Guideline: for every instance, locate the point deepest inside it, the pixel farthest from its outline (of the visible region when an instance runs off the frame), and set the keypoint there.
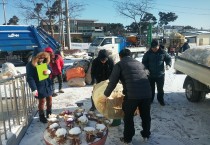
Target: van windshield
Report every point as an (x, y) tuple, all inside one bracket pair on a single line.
[(97, 42)]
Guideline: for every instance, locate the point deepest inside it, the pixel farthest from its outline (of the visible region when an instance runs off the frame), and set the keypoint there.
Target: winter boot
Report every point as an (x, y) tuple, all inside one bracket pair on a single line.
[(42, 117), (48, 113)]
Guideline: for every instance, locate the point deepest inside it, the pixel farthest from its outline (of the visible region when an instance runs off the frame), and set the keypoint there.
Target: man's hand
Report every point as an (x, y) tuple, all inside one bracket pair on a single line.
[(46, 72), (147, 72), (167, 67), (35, 93)]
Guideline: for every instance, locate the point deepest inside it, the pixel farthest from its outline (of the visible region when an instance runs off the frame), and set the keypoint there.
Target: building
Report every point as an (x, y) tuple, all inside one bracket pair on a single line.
[(198, 38)]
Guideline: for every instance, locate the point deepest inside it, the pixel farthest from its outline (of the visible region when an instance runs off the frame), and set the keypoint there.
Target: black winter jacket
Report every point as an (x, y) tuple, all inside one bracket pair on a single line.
[(100, 71), (154, 62), (133, 77)]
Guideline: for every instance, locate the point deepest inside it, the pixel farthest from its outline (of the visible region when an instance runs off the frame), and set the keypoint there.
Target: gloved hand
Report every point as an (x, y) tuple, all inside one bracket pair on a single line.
[(147, 72), (35, 93), (103, 99), (46, 72), (167, 67)]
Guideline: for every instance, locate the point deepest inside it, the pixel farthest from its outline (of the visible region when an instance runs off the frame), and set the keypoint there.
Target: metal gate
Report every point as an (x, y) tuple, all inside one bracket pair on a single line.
[(17, 108)]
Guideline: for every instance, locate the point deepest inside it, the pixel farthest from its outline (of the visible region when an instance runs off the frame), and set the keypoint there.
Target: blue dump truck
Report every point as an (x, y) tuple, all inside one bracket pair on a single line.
[(19, 41)]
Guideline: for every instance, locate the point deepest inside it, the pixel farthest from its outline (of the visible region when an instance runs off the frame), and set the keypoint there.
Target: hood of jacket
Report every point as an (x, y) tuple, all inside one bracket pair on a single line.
[(44, 55)]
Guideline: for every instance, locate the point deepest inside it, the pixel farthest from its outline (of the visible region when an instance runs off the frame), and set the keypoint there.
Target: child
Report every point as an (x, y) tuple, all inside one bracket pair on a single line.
[(56, 64), (42, 90)]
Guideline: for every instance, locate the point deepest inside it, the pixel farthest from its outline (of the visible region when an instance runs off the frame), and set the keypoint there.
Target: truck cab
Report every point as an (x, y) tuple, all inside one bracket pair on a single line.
[(112, 44)]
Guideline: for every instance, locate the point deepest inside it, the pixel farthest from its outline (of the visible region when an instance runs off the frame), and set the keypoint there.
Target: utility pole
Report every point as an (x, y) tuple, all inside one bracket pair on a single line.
[(68, 25), (3, 3)]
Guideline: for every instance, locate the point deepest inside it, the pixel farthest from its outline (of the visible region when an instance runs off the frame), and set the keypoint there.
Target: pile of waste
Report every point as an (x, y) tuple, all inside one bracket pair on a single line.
[(198, 55)]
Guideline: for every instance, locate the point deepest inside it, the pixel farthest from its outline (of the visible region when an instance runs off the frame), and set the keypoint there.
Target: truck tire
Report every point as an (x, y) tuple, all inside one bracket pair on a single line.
[(202, 96), (190, 92)]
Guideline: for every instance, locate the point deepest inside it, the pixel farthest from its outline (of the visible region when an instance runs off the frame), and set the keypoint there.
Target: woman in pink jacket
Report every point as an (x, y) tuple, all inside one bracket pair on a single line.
[(56, 64)]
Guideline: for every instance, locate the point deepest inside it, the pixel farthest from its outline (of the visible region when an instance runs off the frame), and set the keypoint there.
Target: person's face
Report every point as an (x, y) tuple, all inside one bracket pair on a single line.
[(52, 55), (155, 49), (104, 60), (41, 59)]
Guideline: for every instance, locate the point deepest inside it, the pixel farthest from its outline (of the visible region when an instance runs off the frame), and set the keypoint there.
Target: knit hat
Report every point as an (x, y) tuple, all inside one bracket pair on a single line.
[(48, 49), (154, 43), (102, 54)]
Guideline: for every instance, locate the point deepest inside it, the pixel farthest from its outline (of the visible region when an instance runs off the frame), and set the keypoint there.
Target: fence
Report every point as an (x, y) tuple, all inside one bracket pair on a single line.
[(17, 108)]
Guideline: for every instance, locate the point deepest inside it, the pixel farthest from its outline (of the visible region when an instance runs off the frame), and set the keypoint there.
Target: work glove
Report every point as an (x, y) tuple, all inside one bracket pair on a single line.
[(35, 93), (46, 72), (147, 72), (167, 67)]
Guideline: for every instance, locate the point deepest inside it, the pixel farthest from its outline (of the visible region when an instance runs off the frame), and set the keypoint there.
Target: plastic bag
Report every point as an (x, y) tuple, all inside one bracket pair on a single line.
[(77, 72), (88, 78), (8, 70), (76, 82)]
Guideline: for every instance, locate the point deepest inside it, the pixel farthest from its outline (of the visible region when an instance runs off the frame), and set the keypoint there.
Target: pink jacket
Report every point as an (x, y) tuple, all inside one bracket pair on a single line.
[(57, 65)]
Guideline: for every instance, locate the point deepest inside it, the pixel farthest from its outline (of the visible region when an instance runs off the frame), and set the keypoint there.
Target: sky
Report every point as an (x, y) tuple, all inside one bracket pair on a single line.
[(195, 13)]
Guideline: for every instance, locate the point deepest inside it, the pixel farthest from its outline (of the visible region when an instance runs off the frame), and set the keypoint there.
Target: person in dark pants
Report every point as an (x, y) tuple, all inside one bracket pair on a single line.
[(153, 61), (56, 64), (41, 89), (101, 69), (137, 91), (185, 46)]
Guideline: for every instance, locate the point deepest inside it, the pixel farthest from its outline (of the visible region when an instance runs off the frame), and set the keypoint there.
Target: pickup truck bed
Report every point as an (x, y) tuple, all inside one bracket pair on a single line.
[(197, 81), (197, 71)]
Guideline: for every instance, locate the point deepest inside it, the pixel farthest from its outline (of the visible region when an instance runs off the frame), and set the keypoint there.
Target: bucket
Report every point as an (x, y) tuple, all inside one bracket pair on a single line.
[(116, 122)]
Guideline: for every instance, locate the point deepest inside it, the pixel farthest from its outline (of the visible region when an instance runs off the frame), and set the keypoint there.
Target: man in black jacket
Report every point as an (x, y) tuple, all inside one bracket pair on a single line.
[(153, 61), (101, 69), (137, 91)]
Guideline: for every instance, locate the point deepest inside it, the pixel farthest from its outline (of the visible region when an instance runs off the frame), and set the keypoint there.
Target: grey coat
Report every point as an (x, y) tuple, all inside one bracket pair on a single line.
[(133, 77)]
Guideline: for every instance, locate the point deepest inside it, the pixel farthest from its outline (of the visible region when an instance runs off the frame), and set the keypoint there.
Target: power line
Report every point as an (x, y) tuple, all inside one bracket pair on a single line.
[(183, 12), (3, 3), (182, 7)]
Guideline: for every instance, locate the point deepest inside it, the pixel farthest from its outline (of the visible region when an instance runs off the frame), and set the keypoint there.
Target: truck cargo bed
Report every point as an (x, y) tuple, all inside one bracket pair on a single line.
[(194, 70)]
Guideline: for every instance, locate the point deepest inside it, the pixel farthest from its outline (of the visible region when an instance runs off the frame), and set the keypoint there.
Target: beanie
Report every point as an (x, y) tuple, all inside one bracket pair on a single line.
[(102, 55), (48, 49), (154, 43)]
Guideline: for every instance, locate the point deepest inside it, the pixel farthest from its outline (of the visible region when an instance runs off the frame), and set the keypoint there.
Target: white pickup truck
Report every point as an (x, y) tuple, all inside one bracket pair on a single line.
[(114, 45), (197, 81)]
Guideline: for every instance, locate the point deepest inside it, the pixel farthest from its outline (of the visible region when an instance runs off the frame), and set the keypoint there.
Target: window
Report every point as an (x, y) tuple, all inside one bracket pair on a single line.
[(107, 41)]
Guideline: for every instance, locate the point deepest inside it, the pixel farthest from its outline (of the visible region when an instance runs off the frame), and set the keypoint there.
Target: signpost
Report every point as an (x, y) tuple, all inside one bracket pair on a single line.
[(149, 34)]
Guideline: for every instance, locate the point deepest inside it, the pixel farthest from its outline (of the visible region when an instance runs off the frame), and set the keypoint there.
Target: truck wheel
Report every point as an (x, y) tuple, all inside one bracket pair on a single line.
[(190, 92), (202, 96)]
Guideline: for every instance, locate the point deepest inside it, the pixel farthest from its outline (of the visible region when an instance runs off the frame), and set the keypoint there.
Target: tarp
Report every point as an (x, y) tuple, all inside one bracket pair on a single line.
[(198, 55)]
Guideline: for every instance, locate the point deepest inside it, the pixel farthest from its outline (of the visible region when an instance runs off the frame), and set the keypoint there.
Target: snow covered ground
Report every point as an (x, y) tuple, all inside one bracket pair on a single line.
[(180, 122)]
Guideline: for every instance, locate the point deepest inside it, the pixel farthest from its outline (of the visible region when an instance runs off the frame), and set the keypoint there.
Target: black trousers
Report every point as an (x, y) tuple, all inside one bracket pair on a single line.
[(60, 81), (129, 107), (160, 83)]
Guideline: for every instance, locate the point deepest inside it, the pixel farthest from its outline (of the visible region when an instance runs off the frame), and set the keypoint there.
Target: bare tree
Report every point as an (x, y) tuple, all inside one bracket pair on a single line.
[(47, 11), (133, 9)]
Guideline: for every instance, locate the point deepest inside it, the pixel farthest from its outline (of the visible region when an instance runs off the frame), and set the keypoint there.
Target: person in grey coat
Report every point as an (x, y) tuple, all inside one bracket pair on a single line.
[(137, 91)]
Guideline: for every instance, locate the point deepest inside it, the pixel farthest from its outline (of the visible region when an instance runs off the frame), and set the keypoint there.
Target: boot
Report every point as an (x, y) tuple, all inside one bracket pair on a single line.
[(48, 113), (42, 117)]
